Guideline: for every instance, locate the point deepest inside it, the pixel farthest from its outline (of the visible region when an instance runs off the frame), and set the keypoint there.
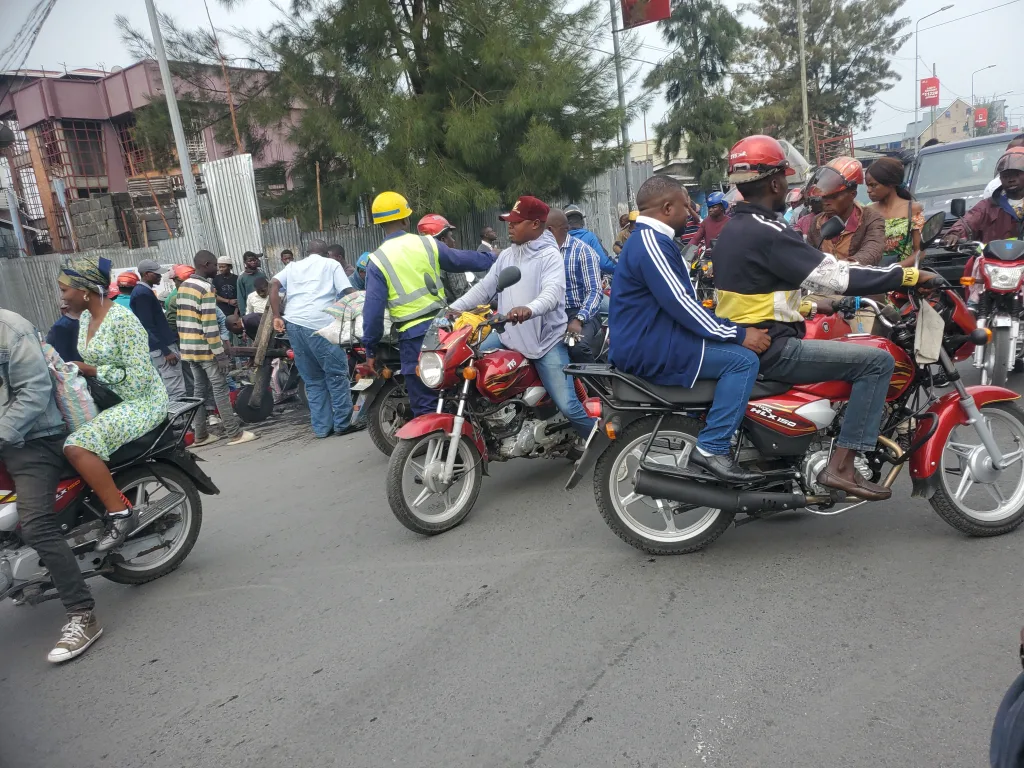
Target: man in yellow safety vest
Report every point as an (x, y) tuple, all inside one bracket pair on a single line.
[(394, 282)]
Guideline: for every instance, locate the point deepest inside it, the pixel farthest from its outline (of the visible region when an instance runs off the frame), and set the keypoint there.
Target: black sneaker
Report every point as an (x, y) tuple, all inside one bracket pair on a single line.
[(81, 631), (723, 467), (119, 525), (352, 428)]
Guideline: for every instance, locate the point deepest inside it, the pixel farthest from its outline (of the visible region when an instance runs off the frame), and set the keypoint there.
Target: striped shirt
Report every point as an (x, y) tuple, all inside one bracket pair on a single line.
[(692, 225), (582, 279), (198, 331)]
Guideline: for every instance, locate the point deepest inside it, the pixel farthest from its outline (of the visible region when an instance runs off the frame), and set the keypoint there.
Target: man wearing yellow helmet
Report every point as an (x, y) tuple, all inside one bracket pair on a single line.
[(395, 282)]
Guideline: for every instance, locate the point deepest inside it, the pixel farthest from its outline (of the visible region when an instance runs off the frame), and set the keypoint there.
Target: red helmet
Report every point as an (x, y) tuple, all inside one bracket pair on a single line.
[(127, 280), (434, 225), (1012, 160), (795, 196), (840, 174), (757, 157)]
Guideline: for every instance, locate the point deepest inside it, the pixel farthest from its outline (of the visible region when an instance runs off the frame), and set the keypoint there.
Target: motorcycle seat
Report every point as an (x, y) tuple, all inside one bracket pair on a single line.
[(140, 446), (633, 389)]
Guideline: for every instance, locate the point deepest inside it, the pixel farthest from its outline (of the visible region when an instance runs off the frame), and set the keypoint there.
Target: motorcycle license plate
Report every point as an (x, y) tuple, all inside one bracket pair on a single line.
[(362, 384)]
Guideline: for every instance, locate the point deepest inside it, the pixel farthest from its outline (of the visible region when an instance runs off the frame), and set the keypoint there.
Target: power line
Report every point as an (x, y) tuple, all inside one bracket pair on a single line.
[(969, 15), (25, 39)]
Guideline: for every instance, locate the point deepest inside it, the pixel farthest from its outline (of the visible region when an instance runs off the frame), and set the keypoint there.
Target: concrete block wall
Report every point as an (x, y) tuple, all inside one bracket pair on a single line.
[(95, 222)]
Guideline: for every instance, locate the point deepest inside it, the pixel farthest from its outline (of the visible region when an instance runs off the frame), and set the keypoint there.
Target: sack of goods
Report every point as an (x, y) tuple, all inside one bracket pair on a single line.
[(347, 328), (70, 389)]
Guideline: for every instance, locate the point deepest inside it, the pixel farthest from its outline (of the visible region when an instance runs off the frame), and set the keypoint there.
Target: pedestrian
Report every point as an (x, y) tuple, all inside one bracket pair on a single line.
[(126, 283), (63, 335), (578, 229), (32, 435), (312, 285), (488, 241), (692, 222), (626, 223), (337, 252), (225, 285), (256, 302), (247, 281), (179, 274), (204, 351), (287, 257), (358, 279), (163, 344)]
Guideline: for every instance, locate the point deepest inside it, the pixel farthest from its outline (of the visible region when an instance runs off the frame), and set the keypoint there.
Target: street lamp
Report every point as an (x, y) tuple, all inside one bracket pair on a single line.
[(974, 130), (917, 83)]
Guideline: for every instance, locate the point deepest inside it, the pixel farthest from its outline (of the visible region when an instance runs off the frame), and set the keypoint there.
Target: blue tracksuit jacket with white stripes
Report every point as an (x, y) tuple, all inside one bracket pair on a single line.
[(658, 329)]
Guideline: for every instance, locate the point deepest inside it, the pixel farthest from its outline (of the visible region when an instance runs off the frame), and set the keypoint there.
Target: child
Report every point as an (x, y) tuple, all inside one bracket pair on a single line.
[(256, 304)]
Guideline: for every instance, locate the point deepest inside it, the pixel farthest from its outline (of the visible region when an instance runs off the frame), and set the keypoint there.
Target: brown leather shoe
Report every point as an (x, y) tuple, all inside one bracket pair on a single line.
[(861, 488)]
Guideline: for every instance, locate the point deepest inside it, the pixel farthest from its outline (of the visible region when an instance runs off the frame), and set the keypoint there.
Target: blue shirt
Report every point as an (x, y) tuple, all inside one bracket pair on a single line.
[(150, 311), (588, 237), (376, 303), (63, 337), (312, 284), (582, 280), (656, 325)]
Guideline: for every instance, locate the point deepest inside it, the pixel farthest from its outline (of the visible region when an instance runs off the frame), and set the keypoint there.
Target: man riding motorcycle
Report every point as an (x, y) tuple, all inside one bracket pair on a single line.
[(716, 220), (863, 239), (761, 266), (1001, 216)]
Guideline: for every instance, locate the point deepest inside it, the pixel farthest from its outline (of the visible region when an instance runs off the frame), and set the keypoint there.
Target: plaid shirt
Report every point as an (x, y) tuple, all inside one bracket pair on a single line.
[(582, 279)]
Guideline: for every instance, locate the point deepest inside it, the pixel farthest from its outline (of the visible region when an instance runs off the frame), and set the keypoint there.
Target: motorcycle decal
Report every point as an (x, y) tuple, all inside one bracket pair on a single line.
[(825, 326), (902, 376), (780, 418)]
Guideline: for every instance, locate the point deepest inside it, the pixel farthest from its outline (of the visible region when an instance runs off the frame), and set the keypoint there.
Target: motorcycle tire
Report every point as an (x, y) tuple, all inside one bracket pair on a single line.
[(124, 573), (399, 468), (715, 523), (945, 503), (381, 429), (997, 352), (250, 414)]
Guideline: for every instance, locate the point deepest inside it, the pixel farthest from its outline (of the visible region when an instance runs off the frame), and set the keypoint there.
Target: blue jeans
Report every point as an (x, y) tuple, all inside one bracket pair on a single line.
[(807, 361), (324, 369), (558, 385), (422, 399), (735, 368)]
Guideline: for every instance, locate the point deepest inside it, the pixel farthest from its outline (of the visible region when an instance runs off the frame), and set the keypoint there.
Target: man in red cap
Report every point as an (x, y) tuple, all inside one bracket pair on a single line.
[(535, 306)]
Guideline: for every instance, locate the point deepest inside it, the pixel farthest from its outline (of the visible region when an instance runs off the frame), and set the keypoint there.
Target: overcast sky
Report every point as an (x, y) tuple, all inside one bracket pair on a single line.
[(81, 33)]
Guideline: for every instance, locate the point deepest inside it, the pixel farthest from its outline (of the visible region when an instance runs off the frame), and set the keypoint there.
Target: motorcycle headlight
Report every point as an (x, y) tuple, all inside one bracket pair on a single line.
[(432, 369), (1003, 277)]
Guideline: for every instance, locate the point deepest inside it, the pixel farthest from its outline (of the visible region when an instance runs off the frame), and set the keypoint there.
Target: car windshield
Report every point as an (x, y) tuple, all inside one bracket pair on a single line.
[(957, 170)]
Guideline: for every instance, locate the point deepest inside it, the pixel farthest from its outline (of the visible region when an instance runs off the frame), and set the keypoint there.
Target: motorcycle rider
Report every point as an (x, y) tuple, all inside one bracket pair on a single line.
[(762, 265), (394, 281), (437, 226), (711, 227), (583, 292), (578, 229), (660, 332), (32, 436), (535, 306), (863, 240), (1001, 216)]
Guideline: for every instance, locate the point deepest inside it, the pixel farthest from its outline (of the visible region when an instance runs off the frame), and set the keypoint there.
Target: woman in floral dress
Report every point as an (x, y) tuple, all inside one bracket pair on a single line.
[(115, 349), (904, 218)]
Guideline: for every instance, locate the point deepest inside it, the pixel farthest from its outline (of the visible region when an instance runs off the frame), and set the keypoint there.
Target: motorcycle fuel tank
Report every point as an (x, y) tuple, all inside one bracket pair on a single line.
[(503, 374), (902, 374)]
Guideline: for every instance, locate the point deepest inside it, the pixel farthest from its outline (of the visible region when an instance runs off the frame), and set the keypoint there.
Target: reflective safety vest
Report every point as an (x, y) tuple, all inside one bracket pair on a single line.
[(403, 261)]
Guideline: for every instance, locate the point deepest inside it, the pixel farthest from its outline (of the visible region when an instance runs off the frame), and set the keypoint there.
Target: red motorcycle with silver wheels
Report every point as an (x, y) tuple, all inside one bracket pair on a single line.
[(491, 406)]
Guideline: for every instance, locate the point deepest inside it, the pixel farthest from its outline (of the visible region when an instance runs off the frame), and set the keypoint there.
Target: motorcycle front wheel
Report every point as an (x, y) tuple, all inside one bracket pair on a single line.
[(416, 493), (388, 413), (997, 354), (972, 496)]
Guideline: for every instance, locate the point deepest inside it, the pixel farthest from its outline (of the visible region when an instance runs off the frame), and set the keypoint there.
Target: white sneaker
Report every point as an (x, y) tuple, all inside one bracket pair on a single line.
[(245, 437), (213, 420), (210, 438)]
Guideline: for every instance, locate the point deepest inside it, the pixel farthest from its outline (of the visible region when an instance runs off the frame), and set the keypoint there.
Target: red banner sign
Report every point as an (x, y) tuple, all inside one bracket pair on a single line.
[(1001, 126), (981, 117), (638, 12), (930, 92)]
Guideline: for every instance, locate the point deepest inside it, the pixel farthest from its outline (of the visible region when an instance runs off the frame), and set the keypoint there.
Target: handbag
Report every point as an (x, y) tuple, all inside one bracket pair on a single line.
[(103, 396), (71, 390)]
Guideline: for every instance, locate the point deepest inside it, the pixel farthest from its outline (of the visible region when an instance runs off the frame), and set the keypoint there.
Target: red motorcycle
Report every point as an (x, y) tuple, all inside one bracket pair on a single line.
[(491, 407), (998, 270), (964, 448)]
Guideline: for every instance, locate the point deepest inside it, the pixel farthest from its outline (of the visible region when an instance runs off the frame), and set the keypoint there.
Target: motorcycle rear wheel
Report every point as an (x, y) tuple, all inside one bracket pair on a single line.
[(997, 503), (410, 496), (384, 417), (645, 523)]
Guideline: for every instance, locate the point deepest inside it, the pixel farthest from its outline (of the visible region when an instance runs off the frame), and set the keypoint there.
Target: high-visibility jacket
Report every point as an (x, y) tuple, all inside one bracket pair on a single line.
[(403, 261)]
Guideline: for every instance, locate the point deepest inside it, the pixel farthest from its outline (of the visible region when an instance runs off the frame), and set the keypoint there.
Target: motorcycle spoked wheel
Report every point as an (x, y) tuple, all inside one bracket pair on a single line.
[(250, 414), (419, 506), (974, 498), (178, 536), (388, 413), (656, 526)]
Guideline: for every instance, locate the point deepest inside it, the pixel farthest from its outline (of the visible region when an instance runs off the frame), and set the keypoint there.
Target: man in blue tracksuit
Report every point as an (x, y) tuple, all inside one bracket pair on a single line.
[(661, 333)]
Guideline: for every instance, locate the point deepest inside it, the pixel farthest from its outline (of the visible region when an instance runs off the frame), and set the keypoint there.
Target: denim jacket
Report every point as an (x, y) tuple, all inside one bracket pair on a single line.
[(27, 406)]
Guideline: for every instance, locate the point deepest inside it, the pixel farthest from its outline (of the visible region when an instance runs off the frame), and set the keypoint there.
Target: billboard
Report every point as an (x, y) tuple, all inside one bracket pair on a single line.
[(930, 92), (981, 117), (638, 12)]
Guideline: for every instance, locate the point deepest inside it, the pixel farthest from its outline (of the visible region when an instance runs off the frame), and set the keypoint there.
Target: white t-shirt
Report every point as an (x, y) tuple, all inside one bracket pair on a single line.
[(312, 285)]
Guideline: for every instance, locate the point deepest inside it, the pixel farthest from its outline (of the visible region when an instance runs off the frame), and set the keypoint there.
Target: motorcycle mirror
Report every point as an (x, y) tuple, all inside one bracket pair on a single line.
[(958, 207), (932, 227), (832, 228), (508, 277), (431, 286)]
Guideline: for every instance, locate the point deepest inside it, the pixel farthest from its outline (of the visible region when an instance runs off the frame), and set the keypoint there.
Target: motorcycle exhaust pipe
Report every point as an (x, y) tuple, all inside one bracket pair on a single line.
[(660, 486)]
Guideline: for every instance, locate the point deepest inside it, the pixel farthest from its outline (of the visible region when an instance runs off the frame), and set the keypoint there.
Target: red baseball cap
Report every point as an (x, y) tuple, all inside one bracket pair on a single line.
[(526, 209)]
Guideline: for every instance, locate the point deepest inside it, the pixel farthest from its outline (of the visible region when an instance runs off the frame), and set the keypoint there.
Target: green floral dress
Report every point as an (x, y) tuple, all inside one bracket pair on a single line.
[(120, 352), (899, 238)]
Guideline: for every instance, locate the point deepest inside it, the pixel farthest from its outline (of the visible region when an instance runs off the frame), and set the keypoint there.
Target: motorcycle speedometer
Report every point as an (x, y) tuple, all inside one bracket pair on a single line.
[(431, 369)]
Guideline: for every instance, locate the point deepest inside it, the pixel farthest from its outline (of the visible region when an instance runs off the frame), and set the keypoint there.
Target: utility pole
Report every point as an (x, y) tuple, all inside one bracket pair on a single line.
[(624, 127), (803, 76), (933, 108), (191, 194)]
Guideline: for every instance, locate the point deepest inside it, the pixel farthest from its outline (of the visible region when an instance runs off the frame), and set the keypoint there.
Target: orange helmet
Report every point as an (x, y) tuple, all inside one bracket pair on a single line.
[(840, 174), (757, 157), (434, 225), (182, 271), (127, 280), (1012, 160)]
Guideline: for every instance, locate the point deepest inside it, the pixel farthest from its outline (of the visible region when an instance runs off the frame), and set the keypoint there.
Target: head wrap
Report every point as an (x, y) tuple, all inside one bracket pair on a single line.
[(87, 274)]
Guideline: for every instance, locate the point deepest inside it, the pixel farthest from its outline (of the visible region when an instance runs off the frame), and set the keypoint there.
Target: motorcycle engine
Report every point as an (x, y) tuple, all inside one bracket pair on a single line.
[(533, 439), (815, 462)]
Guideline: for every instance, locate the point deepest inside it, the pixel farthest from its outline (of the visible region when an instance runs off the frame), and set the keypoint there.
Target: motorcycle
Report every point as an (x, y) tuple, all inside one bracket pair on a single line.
[(998, 276), (491, 407), (161, 479), (702, 275), (382, 396), (964, 448)]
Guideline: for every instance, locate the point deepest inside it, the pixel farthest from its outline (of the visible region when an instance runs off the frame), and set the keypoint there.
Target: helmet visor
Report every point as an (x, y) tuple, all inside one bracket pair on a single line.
[(826, 182)]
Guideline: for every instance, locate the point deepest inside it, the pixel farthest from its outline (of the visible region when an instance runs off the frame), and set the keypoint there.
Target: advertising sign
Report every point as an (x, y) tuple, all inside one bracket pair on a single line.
[(930, 92), (638, 12), (981, 117)]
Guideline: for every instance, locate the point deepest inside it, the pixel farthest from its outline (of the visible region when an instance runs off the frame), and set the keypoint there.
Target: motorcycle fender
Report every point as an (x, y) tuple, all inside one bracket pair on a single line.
[(187, 463), (371, 391), (1002, 321), (597, 444), (442, 422), (924, 464)]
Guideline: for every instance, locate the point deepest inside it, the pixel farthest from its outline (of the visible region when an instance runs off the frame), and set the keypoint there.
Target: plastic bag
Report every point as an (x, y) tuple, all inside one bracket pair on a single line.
[(70, 390), (332, 332)]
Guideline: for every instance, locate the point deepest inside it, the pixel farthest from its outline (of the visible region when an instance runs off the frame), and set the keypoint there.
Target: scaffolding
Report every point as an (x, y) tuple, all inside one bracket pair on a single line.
[(830, 141)]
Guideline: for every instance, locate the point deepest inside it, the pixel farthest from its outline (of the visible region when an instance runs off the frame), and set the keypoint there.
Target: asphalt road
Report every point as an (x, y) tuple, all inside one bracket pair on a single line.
[(308, 628)]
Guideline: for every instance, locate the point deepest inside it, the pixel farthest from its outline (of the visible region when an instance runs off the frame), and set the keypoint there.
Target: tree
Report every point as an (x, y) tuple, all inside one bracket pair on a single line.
[(458, 104), (701, 117), (848, 47)]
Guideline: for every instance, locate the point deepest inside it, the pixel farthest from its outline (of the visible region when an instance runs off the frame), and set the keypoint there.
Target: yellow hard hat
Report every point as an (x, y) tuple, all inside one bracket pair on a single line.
[(390, 206), (633, 215)]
